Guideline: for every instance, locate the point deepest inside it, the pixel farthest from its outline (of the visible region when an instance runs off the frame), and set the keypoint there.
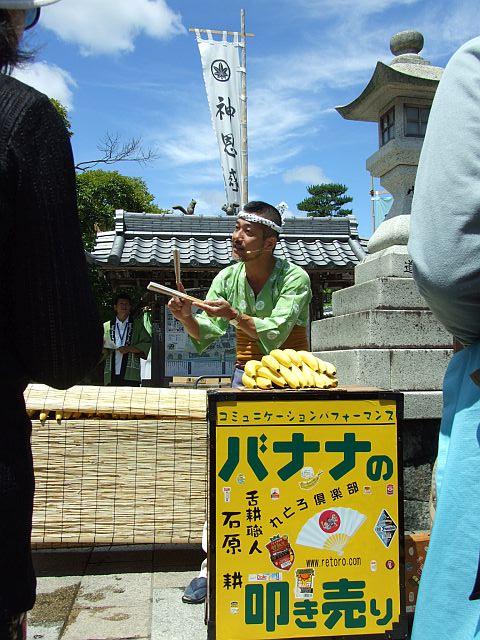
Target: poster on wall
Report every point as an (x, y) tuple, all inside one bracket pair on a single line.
[(306, 516), (181, 359)]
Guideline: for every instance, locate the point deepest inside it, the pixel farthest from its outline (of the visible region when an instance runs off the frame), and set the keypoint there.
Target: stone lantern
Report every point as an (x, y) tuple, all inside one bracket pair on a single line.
[(398, 98), (382, 333)]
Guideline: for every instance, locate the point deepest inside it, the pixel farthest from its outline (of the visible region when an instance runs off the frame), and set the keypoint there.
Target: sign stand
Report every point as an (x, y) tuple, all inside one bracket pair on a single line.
[(305, 515)]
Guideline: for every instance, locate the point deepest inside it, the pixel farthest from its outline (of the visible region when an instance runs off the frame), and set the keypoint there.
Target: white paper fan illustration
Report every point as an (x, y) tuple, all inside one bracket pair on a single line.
[(331, 529)]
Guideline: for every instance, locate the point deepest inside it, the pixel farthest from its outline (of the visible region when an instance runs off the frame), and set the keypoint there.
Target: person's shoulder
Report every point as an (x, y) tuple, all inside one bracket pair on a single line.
[(25, 107), (229, 271), (22, 94), (471, 46)]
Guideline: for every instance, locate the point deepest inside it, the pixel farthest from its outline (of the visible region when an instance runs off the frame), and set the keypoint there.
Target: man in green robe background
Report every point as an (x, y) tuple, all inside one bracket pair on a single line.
[(125, 341)]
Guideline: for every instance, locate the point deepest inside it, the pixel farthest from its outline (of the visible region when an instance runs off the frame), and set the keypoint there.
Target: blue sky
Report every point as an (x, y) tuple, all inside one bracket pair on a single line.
[(131, 67)]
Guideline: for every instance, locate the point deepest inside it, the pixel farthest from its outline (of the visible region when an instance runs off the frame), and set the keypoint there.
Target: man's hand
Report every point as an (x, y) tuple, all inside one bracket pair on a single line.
[(181, 309), (130, 349), (124, 350), (220, 309)]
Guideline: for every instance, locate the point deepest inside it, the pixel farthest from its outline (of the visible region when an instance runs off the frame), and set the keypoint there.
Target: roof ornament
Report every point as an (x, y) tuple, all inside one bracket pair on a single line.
[(189, 211), (231, 209), (406, 47)]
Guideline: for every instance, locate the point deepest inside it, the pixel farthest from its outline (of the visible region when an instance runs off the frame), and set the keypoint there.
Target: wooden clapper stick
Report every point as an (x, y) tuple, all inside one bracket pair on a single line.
[(172, 293)]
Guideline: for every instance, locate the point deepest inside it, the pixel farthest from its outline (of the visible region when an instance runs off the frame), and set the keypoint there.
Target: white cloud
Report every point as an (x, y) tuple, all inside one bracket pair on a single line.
[(275, 117), (276, 123), (210, 202), (111, 26), (447, 27), (50, 79), (307, 174), (188, 144)]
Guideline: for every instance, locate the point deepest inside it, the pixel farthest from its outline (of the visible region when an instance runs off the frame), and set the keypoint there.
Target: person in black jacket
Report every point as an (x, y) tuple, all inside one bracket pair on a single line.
[(49, 329)]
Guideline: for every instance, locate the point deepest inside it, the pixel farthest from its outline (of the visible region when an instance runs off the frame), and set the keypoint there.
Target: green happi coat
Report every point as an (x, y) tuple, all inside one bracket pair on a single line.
[(282, 303), (140, 338)]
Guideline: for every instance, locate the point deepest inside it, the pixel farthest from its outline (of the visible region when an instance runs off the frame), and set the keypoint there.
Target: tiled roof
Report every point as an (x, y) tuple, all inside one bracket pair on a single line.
[(146, 240)]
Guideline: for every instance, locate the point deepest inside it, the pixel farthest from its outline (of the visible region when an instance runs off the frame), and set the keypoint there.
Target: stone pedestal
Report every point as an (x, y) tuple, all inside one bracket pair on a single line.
[(382, 334)]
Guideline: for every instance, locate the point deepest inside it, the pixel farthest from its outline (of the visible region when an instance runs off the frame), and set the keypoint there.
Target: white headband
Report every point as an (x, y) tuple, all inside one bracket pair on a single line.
[(252, 217)]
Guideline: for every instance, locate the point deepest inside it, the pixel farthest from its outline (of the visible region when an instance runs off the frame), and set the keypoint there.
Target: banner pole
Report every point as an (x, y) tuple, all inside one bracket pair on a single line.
[(243, 102)]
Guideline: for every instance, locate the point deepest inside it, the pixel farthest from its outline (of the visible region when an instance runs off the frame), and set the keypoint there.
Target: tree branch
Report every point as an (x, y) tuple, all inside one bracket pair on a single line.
[(113, 150)]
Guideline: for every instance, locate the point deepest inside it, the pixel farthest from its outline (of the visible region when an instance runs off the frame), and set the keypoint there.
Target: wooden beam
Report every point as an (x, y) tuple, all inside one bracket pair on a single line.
[(218, 32)]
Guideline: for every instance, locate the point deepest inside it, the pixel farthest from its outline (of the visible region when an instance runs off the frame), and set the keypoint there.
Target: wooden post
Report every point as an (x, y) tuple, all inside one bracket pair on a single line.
[(243, 121)]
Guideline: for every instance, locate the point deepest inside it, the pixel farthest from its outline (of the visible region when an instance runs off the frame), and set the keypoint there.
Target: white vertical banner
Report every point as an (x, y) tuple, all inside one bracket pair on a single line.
[(221, 73)]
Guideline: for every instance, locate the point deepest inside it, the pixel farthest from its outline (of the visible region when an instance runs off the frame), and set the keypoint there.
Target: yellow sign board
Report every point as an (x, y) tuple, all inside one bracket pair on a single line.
[(305, 523)]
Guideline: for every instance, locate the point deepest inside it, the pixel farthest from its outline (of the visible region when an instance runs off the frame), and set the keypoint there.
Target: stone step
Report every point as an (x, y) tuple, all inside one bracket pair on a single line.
[(399, 369), (381, 293), (422, 405), (380, 329), (392, 262)]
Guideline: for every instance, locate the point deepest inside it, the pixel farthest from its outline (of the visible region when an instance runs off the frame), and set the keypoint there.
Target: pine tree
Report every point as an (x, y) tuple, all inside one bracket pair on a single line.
[(326, 200)]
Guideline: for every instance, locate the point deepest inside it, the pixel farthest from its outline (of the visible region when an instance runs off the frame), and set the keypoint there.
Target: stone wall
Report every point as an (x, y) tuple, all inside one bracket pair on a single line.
[(420, 439)]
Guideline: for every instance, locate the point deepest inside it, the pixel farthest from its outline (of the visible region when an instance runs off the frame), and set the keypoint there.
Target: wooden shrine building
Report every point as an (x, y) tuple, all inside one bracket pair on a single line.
[(139, 250)]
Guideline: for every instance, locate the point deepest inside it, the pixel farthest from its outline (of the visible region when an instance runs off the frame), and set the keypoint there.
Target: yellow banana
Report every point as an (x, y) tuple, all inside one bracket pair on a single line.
[(43, 416), (330, 369), (263, 383), (322, 381), (58, 416), (290, 377), (308, 373), (317, 380), (248, 382), (326, 367), (251, 367), (282, 357), (310, 482), (301, 377), (309, 359), (271, 363), (264, 372), (334, 382), (294, 357)]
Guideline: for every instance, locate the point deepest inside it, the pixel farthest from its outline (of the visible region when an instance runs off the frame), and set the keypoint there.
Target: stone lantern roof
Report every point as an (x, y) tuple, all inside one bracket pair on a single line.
[(407, 74)]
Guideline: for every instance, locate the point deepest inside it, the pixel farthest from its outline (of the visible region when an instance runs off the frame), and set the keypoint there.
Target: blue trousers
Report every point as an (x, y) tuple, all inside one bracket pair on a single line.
[(444, 611)]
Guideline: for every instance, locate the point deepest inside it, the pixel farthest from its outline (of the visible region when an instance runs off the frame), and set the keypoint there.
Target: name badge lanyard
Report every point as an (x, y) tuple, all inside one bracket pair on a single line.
[(121, 334)]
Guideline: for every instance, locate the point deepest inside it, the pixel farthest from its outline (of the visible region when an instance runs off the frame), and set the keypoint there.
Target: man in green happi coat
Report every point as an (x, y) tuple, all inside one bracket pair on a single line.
[(125, 341)]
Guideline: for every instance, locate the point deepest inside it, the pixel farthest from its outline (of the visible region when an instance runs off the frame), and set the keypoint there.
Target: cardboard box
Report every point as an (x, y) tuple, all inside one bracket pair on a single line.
[(416, 547)]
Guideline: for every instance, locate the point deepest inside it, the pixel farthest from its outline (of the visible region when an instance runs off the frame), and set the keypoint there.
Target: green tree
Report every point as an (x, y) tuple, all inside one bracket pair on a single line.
[(326, 199), (99, 193), (64, 114)]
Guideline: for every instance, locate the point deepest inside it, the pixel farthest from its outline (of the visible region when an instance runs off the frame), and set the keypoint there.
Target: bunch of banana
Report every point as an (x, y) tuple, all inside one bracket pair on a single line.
[(288, 368)]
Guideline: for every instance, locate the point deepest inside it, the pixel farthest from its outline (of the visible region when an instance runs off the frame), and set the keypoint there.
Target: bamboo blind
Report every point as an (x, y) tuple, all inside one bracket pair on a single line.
[(118, 480)]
